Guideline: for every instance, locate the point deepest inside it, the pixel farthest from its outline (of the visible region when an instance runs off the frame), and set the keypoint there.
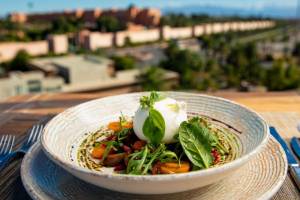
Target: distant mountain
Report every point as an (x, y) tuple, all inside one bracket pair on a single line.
[(268, 11)]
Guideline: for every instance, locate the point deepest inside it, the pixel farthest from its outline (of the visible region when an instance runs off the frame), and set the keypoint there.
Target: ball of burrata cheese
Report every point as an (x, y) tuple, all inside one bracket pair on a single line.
[(173, 112)]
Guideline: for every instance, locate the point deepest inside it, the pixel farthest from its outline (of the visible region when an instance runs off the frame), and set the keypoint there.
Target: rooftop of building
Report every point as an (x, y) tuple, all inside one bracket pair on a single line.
[(26, 75), (21, 77), (126, 77), (70, 61)]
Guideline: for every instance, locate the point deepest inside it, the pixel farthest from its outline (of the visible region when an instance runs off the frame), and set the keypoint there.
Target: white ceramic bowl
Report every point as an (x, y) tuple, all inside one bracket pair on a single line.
[(63, 134)]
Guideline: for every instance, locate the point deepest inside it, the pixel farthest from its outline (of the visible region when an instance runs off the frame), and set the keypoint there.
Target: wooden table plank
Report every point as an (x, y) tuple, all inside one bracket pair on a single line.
[(261, 102)]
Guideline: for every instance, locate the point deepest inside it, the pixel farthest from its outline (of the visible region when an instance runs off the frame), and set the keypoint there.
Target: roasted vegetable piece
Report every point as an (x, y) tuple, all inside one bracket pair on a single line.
[(119, 167), (98, 152), (114, 126), (127, 149), (170, 167), (138, 145), (114, 159)]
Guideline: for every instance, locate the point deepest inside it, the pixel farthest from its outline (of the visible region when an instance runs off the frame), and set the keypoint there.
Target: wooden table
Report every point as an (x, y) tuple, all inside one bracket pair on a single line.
[(19, 113)]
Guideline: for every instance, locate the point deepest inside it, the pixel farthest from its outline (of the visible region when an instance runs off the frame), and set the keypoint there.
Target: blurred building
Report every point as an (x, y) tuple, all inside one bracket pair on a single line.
[(125, 81), (92, 73), (190, 44), (8, 50), (76, 69), (134, 27), (74, 73), (168, 32), (18, 17), (18, 83), (139, 36), (95, 40), (58, 44), (275, 49), (146, 16)]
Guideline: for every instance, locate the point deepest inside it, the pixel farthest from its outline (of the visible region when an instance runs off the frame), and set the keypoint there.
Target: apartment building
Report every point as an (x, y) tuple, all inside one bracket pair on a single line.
[(144, 16), (57, 44)]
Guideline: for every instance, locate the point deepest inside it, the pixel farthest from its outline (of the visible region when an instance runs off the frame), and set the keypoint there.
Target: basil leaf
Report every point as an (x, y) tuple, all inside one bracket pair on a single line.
[(154, 127), (195, 141), (213, 139), (205, 131)]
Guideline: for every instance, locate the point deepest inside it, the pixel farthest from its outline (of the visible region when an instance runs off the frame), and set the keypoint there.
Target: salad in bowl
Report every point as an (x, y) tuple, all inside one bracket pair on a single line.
[(159, 139), (154, 143)]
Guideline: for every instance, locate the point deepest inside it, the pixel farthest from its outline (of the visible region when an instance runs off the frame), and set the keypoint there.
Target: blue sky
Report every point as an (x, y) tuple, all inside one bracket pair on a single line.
[(7, 6)]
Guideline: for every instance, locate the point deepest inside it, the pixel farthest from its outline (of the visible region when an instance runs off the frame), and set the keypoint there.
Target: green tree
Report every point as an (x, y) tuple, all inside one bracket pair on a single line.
[(232, 79), (20, 61), (36, 34), (292, 77), (185, 62), (276, 77), (65, 25), (244, 58), (109, 24), (124, 62), (127, 42), (181, 60), (283, 77), (175, 20), (152, 78), (207, 41), (6, 24), (238, 62)]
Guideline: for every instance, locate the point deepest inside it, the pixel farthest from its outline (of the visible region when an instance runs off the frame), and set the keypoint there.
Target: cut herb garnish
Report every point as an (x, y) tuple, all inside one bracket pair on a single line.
[(141, 162), (123, 134), (148, 101), (109, 146)]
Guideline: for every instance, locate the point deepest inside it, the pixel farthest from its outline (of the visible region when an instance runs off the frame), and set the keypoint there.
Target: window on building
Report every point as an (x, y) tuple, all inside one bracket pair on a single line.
[(34, 86), (53, 89), (18, 89)]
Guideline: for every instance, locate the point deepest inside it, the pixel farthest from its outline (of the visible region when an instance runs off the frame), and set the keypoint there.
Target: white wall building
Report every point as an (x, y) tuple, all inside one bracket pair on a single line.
[(140, 36), (199, 30), (58, 44), (178, 32), (95, 40), (19, 83)]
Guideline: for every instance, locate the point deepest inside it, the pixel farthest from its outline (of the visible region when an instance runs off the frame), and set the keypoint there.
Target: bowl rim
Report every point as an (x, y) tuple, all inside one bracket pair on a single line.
[(199, 173)]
